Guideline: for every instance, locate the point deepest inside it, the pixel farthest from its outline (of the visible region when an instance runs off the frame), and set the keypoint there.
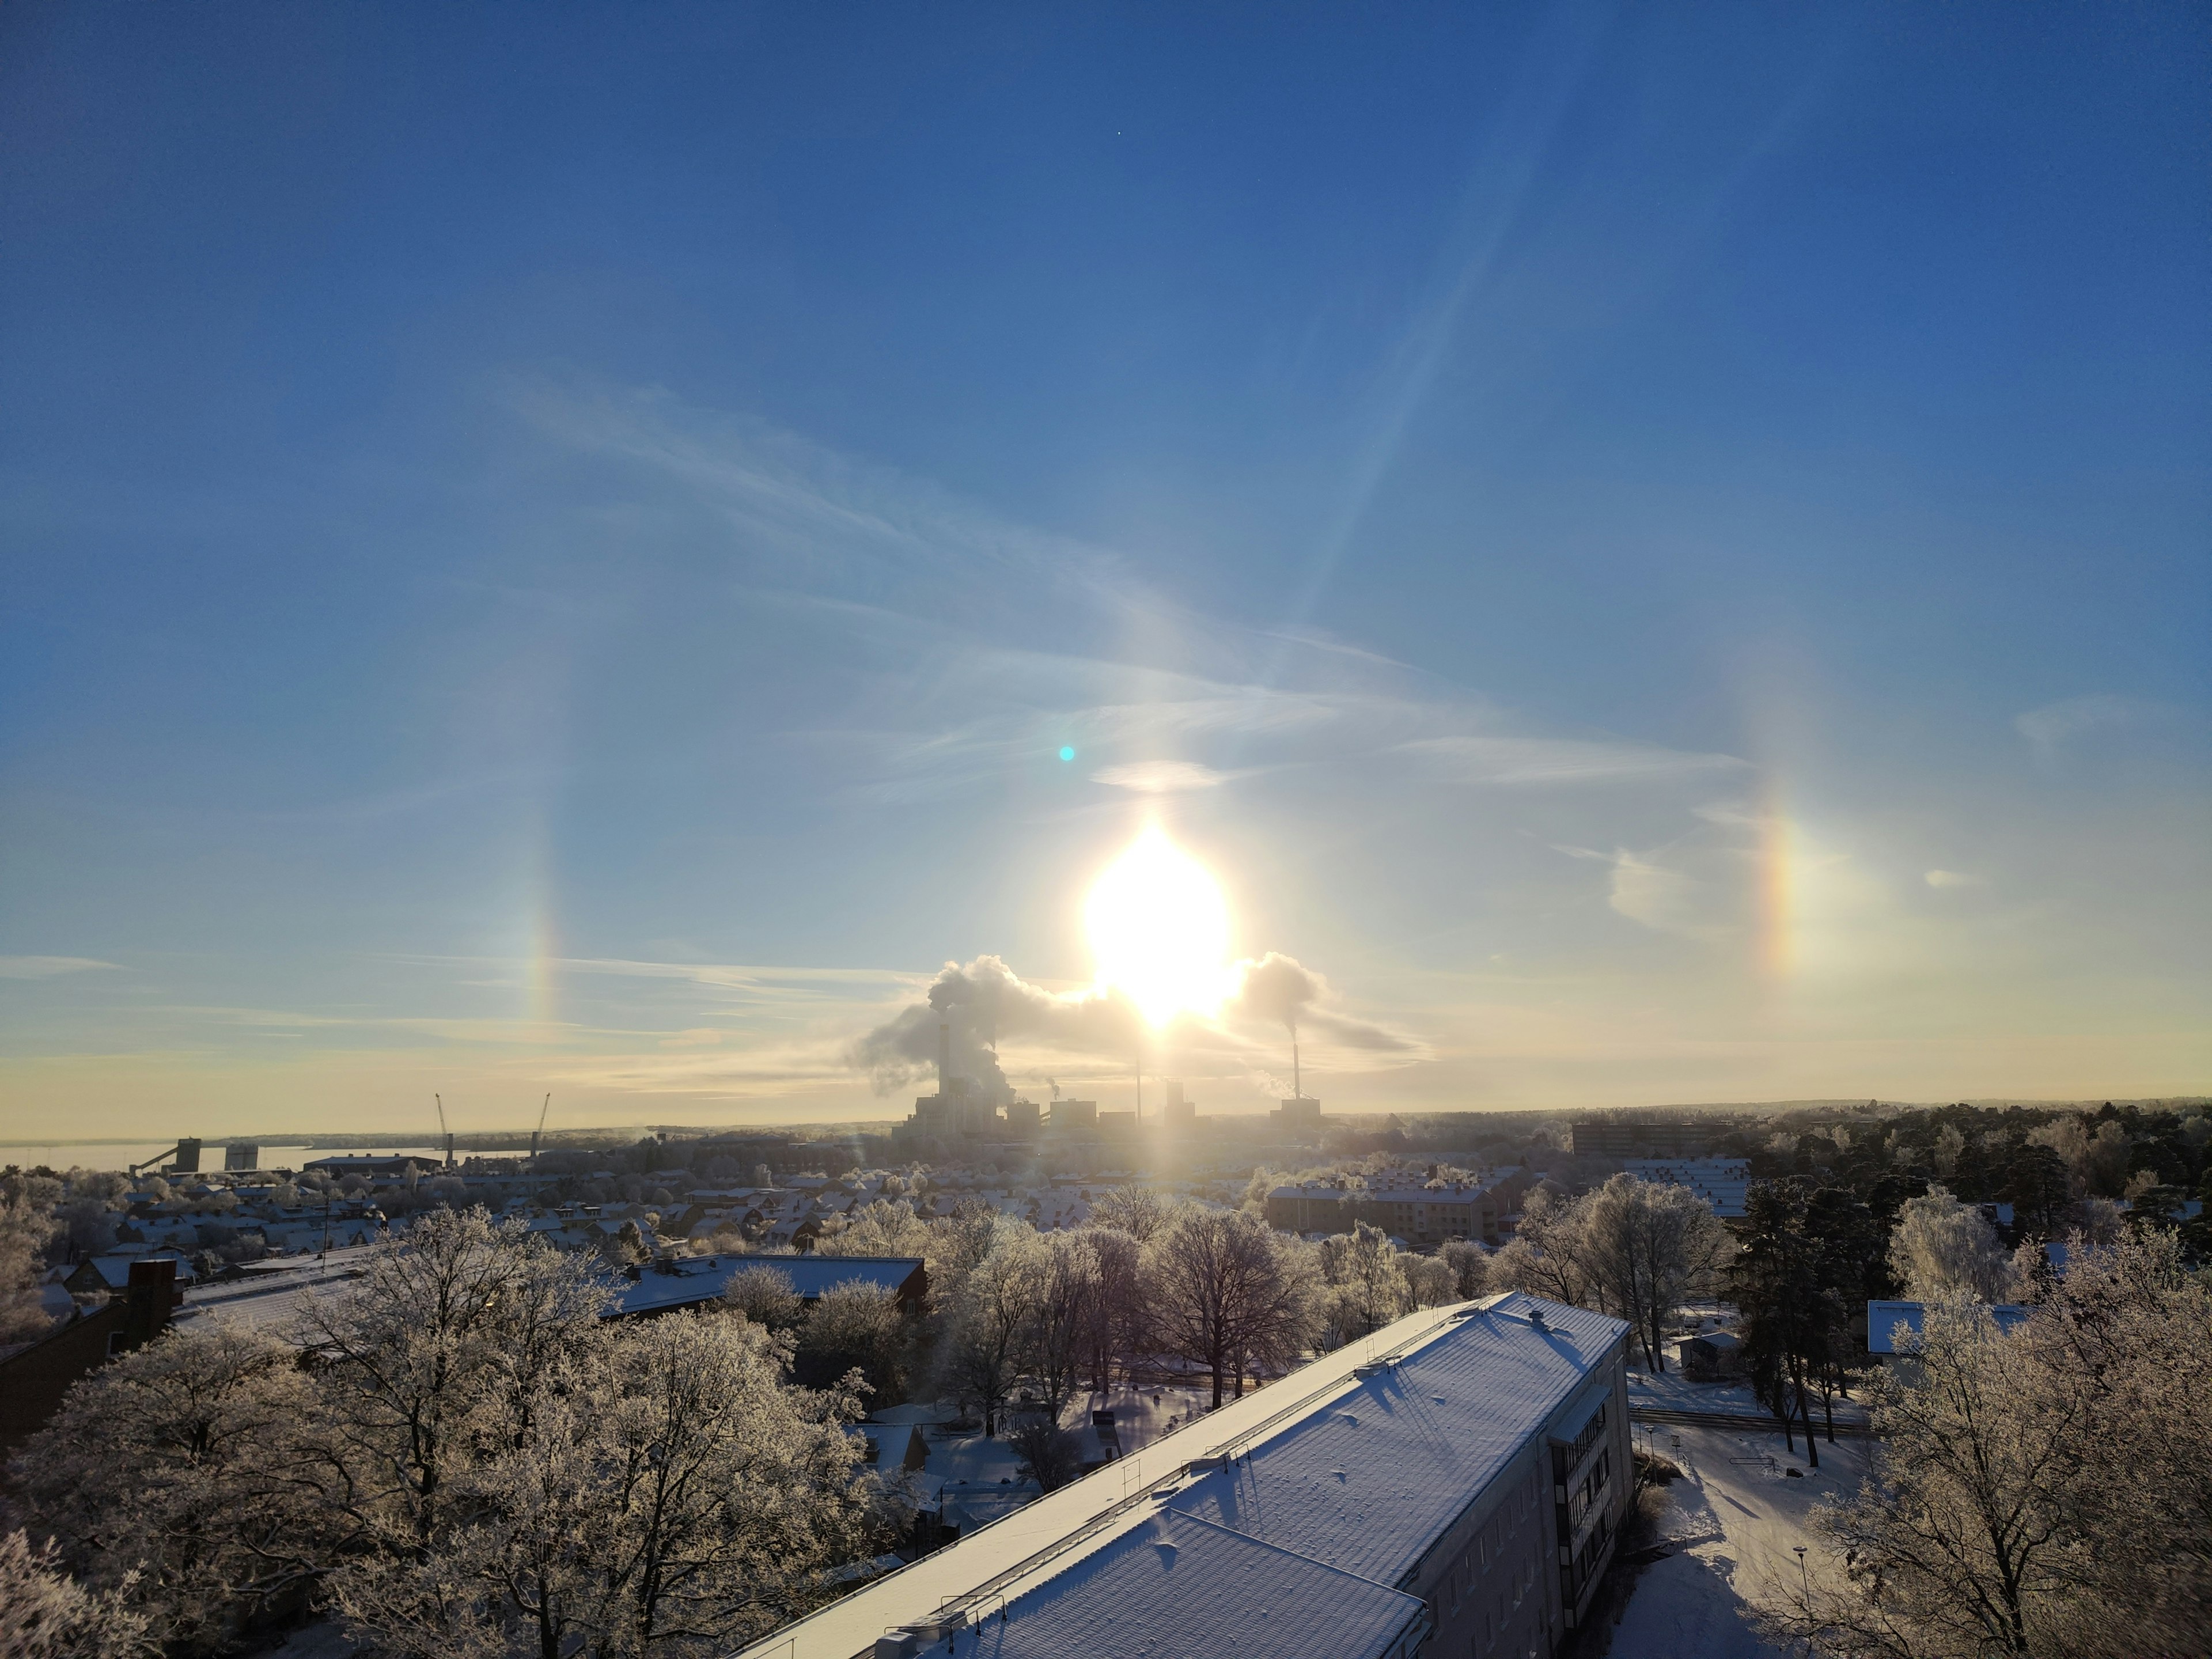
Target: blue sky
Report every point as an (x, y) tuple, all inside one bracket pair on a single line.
[(1664, 552)]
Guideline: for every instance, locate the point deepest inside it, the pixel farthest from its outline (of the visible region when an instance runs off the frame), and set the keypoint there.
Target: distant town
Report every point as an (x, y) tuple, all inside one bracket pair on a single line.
[(1606, 1317)]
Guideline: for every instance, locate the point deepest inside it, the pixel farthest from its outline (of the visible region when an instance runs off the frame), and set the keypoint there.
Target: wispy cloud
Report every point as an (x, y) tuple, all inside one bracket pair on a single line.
[(1161, 777), (1503, 760), (48, 966), (2056, 725)]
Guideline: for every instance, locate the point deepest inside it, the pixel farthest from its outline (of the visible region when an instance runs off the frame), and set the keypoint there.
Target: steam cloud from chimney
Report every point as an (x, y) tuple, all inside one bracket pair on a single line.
[(970, 1009)]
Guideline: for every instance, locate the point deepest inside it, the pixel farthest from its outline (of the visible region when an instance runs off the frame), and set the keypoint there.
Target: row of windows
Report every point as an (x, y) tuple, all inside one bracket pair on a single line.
[(1497, 1617), (1520, 1503)]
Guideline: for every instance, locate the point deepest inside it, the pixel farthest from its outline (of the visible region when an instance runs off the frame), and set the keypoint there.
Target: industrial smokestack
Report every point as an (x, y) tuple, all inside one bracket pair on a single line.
[(943, 1057)]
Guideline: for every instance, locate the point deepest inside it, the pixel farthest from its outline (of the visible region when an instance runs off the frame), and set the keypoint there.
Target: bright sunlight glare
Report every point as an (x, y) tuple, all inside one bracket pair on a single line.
[(1159, 930)]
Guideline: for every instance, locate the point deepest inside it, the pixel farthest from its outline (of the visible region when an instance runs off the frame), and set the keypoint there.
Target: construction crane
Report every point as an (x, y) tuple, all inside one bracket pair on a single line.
[(443, 1130), (540, 1130)]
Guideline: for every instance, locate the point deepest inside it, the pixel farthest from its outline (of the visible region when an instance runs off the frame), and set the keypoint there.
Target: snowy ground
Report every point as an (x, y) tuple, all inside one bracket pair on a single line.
[(1672, 1391), (1733, 1518), (1140, 1416)]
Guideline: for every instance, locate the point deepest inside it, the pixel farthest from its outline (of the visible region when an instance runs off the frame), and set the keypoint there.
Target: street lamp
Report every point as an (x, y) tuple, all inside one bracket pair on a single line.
[(1802, 1576)]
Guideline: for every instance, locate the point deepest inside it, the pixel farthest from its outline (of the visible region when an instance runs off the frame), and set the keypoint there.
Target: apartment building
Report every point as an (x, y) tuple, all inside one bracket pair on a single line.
[(1424, 1215), (1451, 1485)]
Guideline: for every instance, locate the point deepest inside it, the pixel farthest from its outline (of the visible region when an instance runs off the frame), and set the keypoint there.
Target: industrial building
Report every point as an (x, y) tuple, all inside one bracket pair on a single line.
[(1450, 1485), (1301, 1112)]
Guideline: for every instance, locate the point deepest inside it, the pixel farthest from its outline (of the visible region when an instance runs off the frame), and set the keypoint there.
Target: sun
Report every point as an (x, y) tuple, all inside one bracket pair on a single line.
[(1159, 930)]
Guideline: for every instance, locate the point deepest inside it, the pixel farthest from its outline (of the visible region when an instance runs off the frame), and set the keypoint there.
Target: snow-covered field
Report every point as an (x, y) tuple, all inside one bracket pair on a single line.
[(1734, 1516)]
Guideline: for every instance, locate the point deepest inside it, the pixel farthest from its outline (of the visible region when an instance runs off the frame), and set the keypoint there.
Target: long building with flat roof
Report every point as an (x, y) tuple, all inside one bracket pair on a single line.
[(1451, 1485)]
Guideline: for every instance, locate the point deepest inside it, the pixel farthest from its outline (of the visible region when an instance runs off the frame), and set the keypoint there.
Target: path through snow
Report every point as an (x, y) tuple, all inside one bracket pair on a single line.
[(1735, 1519)]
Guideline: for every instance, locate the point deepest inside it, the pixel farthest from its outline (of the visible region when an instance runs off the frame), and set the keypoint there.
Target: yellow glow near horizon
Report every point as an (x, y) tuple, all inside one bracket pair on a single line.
[(1159, 930)]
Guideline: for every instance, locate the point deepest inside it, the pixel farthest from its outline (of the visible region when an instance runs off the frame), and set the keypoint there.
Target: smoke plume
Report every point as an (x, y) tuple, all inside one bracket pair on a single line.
[(1285, 992), (980, 1005)]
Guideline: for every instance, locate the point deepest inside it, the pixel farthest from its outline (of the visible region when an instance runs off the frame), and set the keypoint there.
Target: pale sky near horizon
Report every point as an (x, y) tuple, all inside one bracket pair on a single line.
[(1663, 551)]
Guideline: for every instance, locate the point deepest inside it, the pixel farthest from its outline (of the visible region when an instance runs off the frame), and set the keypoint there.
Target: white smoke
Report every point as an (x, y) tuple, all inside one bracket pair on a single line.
[(985, 1002), (1285, 992), (979, 1005)]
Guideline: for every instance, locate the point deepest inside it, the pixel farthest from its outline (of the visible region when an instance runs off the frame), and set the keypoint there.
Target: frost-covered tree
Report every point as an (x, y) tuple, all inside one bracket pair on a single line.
[(1223, 1288), (854, 1327), (1959, 1543), (1950, 1147), (438, 1351), (1116, 1324), (682, 1503), (1547, 1254), (88, 1224), (1470, 1266), (1942, 1249), (1366, 1279), (883, 1228), (979, 1348), (2128, 1333), (1650, 1247), (2096, 1163), (26, 1225), (1430, 1280), (46, 1614), (1067, 1285), (2040, 1492), (184, 1477), (765, 1296), (961, 1242), (1137, 1210)]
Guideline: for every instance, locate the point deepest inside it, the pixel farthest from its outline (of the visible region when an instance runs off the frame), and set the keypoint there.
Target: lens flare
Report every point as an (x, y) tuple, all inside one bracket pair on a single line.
[(1159, 930)]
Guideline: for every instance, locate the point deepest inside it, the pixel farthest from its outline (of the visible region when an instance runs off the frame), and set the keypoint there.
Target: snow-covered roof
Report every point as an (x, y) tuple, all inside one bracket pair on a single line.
[(114, 1271), (1884, 1317), (1368, 1484), (1722, 1182), (1175, 1584), (1422, 1460), (704, 1277)]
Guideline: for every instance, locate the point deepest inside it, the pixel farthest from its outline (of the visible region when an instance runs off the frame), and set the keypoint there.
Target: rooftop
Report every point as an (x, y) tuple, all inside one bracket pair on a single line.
[(1883, 1319), (703, 1278), (1173, 1583), (1347, 1478)]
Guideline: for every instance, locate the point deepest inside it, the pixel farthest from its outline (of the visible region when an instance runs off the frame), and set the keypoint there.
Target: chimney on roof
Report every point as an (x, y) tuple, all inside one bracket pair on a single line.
[(149, 1297)]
